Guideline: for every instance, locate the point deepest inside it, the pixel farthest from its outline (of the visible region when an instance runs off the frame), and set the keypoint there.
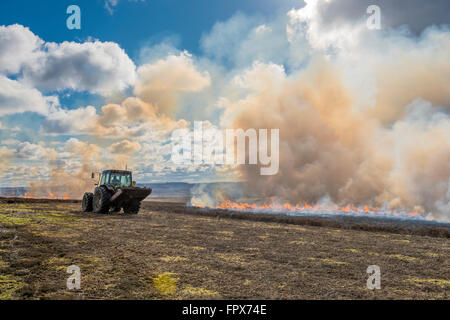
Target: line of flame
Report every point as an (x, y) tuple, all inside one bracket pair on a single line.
[(50, 196), (316, 208)]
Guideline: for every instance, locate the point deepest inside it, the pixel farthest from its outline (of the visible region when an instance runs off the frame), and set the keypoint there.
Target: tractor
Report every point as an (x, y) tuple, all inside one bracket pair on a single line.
[(115, 190)]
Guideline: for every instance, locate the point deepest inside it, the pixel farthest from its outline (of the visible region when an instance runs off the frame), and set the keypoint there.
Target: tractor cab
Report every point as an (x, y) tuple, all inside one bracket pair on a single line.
[(116, 179)]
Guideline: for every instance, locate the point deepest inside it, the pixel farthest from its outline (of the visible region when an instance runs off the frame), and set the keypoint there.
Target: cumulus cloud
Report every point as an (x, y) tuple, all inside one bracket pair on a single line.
[(75, 121), (132, 119), (6, 154), (241, 40), (309, 23), (18, 45), (10, 142), (221, 42), (30, 151), (97, 67), (93, 66)]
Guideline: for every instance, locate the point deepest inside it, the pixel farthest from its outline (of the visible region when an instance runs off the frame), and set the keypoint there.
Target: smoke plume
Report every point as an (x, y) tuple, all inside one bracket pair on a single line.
[(329, 148)]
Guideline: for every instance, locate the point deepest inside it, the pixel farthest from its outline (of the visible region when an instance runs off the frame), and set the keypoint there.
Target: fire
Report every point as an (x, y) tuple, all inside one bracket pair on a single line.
[(317, 208), (49, 195)]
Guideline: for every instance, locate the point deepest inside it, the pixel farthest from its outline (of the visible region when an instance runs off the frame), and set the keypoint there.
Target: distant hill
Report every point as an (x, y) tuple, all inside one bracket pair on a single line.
[(169, 189), (160, 190), (12, 191)]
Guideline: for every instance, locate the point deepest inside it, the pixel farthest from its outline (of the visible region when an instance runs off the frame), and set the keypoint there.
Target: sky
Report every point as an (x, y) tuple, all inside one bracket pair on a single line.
[(135, 26), (112, 93), (132, 24)]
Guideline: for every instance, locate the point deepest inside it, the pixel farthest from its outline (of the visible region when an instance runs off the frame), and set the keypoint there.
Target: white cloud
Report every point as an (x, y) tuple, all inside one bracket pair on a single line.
[(97, 67), (17, 46), (308, 22), (15, 97), (225, 37), (76, 121), (10, 142), (241, 40), (30, 151), (6, 152), (131, 119)]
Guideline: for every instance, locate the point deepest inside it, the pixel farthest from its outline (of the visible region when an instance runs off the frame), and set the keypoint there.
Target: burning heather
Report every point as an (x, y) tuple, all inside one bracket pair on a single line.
[(48, 195), (330, 148), (354, 136), (318, 208), (218, 196)]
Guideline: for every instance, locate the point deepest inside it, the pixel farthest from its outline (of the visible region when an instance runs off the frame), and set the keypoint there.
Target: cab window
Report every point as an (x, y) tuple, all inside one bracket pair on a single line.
[(105, 179), (120, 179), (126, 180)]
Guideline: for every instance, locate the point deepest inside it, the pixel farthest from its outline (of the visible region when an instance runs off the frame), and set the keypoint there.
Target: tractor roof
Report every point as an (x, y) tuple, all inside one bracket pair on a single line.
[(117, 171)]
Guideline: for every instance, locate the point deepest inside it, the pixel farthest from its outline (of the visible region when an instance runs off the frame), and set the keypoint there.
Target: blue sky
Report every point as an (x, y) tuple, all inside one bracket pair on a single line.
[(133, 23)]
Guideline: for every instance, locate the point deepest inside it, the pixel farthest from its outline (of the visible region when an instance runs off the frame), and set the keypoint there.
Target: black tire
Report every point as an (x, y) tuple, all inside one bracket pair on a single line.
[(132, 207), (86, 204), (101, 202)]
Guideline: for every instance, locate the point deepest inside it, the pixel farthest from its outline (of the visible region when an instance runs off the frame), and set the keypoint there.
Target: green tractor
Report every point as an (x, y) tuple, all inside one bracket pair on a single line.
[(115, 190)]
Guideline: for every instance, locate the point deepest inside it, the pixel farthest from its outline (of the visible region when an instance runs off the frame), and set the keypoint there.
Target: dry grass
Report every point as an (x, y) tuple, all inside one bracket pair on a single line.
[(167, 253)]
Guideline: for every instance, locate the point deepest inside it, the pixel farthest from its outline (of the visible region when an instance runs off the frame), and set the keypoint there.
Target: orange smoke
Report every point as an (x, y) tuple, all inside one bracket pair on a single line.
[(331, 147)]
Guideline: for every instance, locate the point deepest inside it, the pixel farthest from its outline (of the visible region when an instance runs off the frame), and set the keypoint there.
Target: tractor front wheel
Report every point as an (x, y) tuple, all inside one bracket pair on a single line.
[(86, 204), (101, 200)]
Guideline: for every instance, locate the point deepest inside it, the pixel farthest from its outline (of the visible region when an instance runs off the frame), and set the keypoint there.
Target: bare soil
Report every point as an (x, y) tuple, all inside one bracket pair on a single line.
[(169, 251)]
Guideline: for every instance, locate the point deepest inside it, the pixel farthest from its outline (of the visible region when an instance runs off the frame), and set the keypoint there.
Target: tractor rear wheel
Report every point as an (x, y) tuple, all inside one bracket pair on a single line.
[(86, 204), (101, 200), (132, 207)]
